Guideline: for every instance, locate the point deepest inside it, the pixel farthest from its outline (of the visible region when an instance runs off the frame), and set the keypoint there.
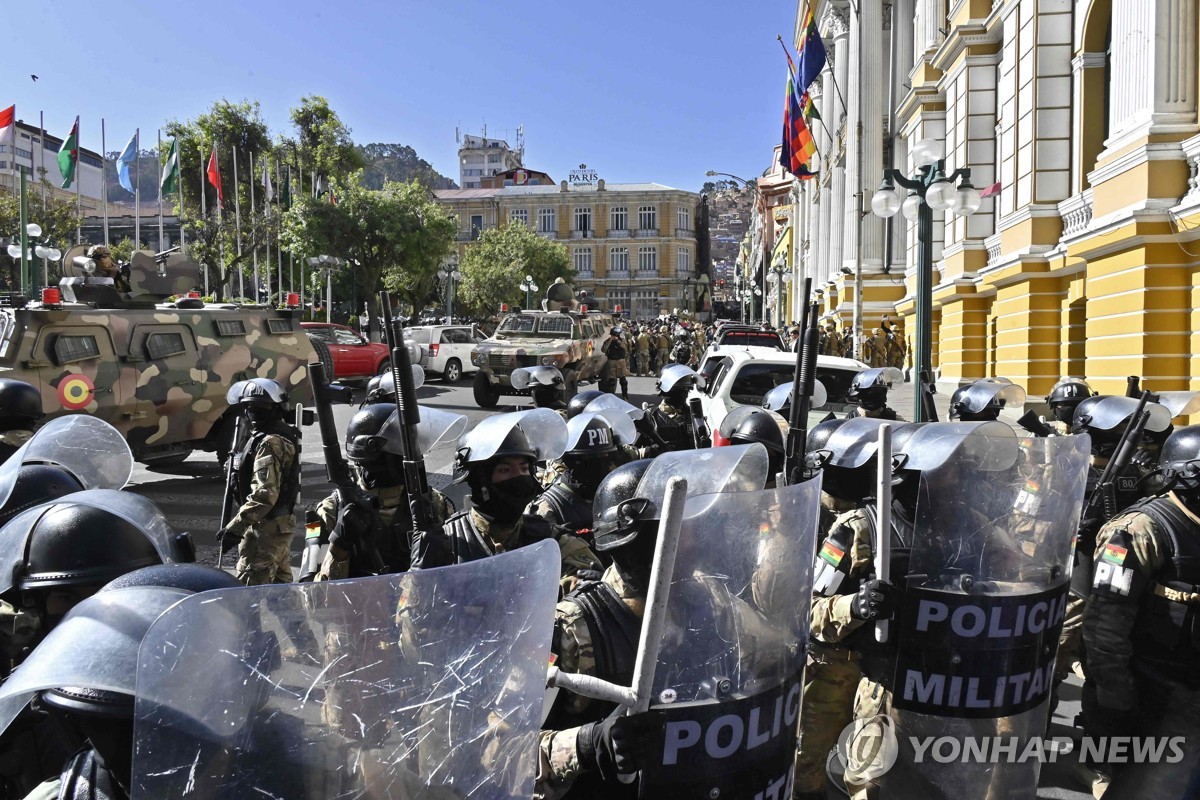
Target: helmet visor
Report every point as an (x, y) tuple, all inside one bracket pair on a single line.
[(611, 401), (738, 468), (988, 446), (675, 373), (981, 394), (545, 430), (387, 382), (90, 449), (265, 386), (623, 429), (886, 377), (1180, 404), (435, 429), (781, 396), (531, 377), (1110, 411), (854, 443)]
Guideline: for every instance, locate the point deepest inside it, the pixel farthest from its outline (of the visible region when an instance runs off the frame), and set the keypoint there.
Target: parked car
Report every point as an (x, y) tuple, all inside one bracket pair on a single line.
[(354, 357), (745, 375), (748, 336), (445, 350)]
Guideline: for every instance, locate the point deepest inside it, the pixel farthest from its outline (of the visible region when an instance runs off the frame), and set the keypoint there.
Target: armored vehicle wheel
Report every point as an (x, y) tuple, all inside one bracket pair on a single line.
[(453, 371), (323, 355), (486, 395), (570, 385)]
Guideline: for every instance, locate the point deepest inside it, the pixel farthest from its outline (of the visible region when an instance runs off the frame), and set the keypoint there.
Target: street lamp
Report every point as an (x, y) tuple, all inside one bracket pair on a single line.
[(528, 287), (779, 275), (928, 190), (21, 251), (329, 264), (451, 276)]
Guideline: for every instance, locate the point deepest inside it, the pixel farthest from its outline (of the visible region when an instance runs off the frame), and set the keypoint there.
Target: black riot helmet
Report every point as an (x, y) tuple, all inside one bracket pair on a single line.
[(72, 544), (503, 500), (850, 481), (595, 439), (1180, 463), (762, 426), (365, 445), (869, 388), (261, 399), (982, 400), (619, 516), (1065, 397), (20, 405), (579, 402), (37, 484)]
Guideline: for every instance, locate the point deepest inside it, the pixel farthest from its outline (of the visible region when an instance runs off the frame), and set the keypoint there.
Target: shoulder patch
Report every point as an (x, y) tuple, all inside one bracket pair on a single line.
[(831, 553), (1114, 553)]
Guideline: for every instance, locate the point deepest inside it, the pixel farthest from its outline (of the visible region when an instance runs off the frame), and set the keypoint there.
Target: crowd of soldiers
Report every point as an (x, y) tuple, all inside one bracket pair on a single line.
[(580, 474)]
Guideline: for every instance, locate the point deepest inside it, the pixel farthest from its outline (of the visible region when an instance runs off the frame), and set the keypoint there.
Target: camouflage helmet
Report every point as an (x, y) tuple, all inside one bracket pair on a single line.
[(257, 393), (20, 402), (99, 251)]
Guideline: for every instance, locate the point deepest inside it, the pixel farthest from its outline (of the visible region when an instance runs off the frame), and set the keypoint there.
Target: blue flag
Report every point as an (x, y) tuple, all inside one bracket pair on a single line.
[(126, 160), (811, 54)]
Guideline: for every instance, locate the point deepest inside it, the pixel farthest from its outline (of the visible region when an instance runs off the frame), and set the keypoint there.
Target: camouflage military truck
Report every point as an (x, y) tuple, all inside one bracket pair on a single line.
[(564, 335), (157, 371)]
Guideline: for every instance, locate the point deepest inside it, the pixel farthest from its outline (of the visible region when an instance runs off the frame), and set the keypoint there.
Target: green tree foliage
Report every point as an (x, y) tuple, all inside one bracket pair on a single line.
[(494, 267), (322, 141), (393, 238), (237, 126), (399, 163), (56, 216)]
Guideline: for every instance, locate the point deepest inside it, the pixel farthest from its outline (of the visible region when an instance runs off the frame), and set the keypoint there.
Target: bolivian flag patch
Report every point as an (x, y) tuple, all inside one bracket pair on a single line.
[(831, 554), (312, 530), (1114, 554)]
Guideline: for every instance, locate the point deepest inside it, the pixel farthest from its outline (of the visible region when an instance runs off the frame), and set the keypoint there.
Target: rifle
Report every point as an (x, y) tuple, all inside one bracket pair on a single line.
[(230, 481), (927, 389), (408, 416), (348, 492), (1031, 422), (1103, 496), (802, 391), (700, 433)]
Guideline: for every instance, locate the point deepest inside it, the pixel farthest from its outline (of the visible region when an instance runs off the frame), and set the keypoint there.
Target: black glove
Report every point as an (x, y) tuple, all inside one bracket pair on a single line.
[(1099, 720), (875, 599), (589, 574), (227, 540), (352, 522), (619, 744)]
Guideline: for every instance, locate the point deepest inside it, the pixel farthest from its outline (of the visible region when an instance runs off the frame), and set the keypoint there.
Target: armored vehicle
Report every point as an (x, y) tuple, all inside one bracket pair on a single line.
[(155, 370), (564, 334)]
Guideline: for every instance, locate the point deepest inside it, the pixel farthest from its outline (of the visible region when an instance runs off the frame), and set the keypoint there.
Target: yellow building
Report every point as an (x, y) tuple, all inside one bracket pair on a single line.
[(1080, 116), (631, 244)]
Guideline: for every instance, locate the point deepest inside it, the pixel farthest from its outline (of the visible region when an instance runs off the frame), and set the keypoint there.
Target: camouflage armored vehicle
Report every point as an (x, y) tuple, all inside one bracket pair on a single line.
[(157, 371), (564, 335)]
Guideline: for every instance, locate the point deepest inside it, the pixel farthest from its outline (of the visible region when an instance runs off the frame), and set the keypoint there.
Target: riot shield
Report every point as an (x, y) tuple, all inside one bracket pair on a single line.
[(978, 627), (780, 397), (608, 401), (730, 670), (429, 685), (133, 508), (737, 468), (436, 428), (90, 449), (545, 429)]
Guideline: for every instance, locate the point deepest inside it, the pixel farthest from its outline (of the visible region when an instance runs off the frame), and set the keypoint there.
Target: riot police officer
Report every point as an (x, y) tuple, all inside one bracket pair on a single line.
[(746, 425), (545, 385), (268, 483), (20, 410), (1065, 396), (671, 424), (868, 391), (386, 525), (593, 451), (982, 400), (1139, 625)]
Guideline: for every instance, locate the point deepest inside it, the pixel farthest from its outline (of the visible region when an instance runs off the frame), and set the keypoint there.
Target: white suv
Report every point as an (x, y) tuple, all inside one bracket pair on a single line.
[(445, 349)]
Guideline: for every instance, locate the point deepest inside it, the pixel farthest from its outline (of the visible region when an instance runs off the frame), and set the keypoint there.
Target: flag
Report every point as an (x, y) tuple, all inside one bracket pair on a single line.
[(125, 161), (988, 191), (810, 51), (268, 189), (170, 175), (798, 145), (68, 155), (8, 125), (214, 175), (809, 108)]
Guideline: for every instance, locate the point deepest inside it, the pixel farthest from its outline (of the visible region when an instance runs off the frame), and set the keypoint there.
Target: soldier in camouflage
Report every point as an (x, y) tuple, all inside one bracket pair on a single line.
[(1139, 627), (868, 391), (641, 358), (268, 483), (670, 424), (107, 268), (20, 410)]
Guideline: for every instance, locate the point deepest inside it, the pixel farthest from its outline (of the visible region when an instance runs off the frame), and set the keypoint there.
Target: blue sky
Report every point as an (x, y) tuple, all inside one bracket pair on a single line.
[(660, 90)]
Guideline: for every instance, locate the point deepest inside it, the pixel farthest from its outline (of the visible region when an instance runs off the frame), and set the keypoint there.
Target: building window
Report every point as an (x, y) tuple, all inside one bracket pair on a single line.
[(647, 218), (685, 218), (648, 259), (476, 226), (685, 260), (583, 261), (520, 215), (618, 218), (618, 259), (546, 220), (583, 219)]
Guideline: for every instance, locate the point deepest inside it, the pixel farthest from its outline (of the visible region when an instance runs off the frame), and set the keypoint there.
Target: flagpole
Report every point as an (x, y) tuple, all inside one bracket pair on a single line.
[(179, 181), (137, 189), (254, 245), (226, 286), (203, 204), (160, 216), (237, 223), (42, 173), (79, 183), (103, 173), (279, 244)]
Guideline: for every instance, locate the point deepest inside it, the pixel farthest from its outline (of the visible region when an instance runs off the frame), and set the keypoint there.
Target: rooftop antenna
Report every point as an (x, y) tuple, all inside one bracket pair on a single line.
[(457, 135)]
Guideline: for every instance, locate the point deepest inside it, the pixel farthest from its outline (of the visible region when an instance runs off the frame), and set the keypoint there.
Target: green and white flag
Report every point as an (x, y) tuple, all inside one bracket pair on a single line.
[(68, 156), (170, 175)]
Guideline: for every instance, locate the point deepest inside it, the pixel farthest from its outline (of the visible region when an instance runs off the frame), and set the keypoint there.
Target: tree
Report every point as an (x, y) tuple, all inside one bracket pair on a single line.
[(393, 238), (323, 141), (399, 162), (233, 126), (215, 245), (494, 266), (57, 217)]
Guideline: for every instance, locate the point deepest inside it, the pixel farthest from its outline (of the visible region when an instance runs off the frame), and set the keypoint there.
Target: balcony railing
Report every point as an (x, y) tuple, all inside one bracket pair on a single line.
[(645, 233), (548, 234), (1076, 212), (685, 274), (685, 233), (585, 274), (618, 233), (645, 274), (582, 234)]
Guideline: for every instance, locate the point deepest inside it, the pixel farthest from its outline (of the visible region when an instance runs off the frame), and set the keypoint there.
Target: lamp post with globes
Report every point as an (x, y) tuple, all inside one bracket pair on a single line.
[(23, 253), (450, 274), (929, 190), (528, 287), (780, 276)]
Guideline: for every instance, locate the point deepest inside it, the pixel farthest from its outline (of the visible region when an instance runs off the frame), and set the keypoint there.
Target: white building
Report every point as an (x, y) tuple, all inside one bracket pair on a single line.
[(33, 153), (480, 157)]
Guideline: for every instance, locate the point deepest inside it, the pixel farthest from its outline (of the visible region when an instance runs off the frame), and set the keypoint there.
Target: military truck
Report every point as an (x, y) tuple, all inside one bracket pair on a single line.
[(564, 334), (156, 370)]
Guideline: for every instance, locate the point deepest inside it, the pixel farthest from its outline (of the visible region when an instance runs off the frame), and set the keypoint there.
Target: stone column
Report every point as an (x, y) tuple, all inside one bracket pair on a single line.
[(905, 61), (1153, 67), (838, 49), (1087, 73), (866, 109), (930, 18), (810, 258)]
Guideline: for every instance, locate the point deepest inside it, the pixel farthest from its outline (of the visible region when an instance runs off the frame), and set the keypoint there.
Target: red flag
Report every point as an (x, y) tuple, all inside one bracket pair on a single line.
[(988, 191), (8, 119), (214, 175)]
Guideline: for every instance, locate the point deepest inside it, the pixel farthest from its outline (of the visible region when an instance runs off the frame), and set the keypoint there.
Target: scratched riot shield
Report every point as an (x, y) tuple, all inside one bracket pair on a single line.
[(730, 671), (430, 685), (93, 451), (977, 629)]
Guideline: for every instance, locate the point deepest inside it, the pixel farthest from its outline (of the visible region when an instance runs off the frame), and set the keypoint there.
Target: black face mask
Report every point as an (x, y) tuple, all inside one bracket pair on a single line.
[(1063, 412), (507, 499), (587, 474), (261, 417)]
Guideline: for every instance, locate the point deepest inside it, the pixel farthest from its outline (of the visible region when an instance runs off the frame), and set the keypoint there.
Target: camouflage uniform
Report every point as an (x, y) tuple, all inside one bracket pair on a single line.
[(558, 761), (873, 413), (11, 442), (265, 522), (662, 347), (1141, 638), (642, 357), (20, 632), (392, 500)]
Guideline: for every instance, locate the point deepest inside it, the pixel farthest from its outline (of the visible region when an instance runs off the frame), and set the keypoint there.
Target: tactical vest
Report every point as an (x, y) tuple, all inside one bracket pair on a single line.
[(466, 543), (1166, 638), (289, 485), (675, 432), (570, 510), (85, 778), (616, 351)]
